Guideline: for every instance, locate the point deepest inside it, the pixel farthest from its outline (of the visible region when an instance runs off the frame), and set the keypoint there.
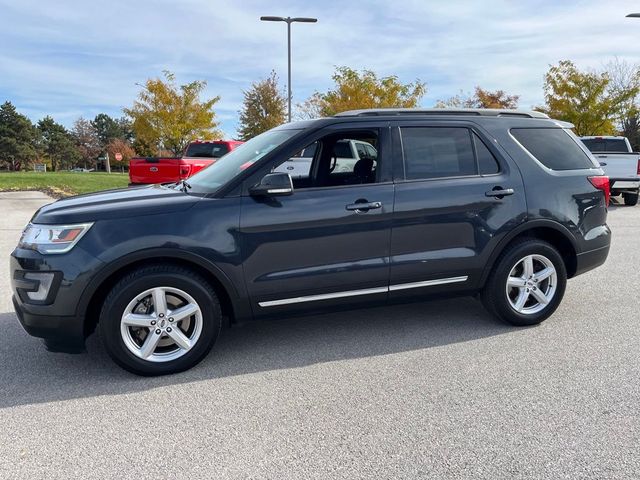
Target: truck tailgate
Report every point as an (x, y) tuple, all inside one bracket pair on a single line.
[(154, 170), (619, 165)]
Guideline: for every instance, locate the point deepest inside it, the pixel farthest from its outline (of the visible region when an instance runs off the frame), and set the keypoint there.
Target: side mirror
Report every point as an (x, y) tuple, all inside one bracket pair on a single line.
[(273, 184)]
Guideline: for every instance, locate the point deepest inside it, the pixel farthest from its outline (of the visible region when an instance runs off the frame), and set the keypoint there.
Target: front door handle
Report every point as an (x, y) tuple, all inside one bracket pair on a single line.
[(363, 206), (499, 192)]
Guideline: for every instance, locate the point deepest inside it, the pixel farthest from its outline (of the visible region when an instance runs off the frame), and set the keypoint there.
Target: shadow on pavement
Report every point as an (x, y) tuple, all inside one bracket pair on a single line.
[(31, 375)]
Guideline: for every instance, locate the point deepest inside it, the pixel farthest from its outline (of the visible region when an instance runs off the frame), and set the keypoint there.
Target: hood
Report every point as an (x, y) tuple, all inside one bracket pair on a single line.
[(110, 204)]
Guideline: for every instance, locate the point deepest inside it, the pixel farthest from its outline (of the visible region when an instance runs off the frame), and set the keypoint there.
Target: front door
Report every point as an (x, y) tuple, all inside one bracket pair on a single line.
[(327, 244)]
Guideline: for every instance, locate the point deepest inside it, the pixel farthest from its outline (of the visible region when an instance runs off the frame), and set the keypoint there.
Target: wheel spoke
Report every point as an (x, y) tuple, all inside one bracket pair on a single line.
[(159, 301), (539, 296), (527, 265), (150, 344), (184, 312), (137, 320), (544, 274), (522, 299), (517, 282), (180, 338)]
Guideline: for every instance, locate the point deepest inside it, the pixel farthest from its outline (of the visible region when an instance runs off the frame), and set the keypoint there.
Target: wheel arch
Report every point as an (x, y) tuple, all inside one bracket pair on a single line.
[(552, 232), (97, 290)]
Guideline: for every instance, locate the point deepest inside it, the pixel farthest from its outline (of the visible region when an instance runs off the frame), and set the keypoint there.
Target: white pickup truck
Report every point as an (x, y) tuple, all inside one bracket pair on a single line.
[(620, 163), (346, 154)]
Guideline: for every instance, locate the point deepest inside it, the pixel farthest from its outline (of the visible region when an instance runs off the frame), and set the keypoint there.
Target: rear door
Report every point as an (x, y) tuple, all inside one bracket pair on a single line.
[(457, 195)]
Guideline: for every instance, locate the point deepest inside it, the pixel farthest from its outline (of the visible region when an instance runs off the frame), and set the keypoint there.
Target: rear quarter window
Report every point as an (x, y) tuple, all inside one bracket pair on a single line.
[(553, 147)]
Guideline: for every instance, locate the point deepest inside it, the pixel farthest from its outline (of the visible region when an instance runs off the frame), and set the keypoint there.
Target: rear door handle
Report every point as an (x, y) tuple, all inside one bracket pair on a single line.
[(500, 192), (363, 206)]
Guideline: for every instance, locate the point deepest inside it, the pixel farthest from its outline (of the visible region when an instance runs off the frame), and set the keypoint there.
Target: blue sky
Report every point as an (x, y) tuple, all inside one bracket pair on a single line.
[(71, 58)]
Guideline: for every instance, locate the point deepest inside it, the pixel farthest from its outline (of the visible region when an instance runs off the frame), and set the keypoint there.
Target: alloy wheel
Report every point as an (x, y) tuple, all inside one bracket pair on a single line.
[(531, 284), (161, 324)]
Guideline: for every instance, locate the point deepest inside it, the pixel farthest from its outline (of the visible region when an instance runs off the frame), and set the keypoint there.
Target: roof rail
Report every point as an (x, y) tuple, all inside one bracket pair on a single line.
[(485, 112)]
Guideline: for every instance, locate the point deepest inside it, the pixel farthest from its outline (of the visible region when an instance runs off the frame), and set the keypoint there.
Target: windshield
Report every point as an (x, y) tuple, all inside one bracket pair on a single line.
[(208, 150), (239, 159)]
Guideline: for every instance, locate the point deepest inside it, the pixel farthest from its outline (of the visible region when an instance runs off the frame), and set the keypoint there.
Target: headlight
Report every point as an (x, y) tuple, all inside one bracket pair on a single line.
[(52, 238)]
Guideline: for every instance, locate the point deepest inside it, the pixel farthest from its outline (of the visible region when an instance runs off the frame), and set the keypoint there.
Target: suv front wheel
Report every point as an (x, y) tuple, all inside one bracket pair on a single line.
[(159, 320), (527, 283)]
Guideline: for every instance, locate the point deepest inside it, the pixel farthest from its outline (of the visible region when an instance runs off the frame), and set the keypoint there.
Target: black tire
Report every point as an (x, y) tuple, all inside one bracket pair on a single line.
[(149, 277), (494, 295), (630, 199)]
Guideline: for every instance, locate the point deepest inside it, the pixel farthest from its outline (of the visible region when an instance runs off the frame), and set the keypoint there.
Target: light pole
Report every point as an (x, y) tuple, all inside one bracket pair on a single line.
[(289, 21)]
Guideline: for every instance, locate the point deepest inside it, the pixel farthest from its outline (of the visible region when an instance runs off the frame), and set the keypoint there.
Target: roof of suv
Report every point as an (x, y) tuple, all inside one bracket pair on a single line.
[(485, 112)]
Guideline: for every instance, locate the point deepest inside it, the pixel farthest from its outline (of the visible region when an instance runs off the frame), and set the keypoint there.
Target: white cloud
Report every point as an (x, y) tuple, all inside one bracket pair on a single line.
[(70, 57)]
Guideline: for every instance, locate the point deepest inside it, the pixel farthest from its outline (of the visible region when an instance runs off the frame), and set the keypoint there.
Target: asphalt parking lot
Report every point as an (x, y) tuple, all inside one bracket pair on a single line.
[(433, 390)]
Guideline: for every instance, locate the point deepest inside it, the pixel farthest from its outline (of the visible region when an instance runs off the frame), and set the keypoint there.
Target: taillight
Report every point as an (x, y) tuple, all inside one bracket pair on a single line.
[(601, 182), (638, 169), (185, 170)]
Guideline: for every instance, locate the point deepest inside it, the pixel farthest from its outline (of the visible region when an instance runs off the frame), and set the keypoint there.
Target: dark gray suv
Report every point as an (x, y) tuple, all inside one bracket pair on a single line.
[(504, 204)]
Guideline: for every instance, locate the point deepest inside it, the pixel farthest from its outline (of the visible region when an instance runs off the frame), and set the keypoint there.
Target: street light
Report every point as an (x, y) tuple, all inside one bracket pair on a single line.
[(289, 21), (633, 15)]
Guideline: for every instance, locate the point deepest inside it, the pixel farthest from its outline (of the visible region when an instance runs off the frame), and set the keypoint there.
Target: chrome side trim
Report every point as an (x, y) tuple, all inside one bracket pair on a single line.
[(365, 291), (324, 296), (428, 283)]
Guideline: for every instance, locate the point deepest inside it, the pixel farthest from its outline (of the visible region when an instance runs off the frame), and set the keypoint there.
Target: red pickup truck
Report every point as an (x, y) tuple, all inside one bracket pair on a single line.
[(198, 155)]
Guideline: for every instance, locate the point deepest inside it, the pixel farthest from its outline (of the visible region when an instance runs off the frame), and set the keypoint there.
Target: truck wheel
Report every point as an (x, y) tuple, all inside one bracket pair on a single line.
[(630, 199), (527, 283), (159, 320)]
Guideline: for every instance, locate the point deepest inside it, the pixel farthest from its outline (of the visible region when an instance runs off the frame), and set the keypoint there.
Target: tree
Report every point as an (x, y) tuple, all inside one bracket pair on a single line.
[(481, 99), (625, 77), (355, 90), (86, 139), (169, 116), (118, 145), (108, 128), (57, 144), (263, 108), (17, 138), (586, 99)]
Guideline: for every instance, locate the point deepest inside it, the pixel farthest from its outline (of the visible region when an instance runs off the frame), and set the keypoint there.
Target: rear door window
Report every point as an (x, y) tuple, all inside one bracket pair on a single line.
[(437, 152), (487, 163), (553, 147)]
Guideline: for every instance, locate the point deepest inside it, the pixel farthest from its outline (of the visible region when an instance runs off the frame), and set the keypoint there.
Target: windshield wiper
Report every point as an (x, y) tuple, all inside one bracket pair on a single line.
[(184, 186)]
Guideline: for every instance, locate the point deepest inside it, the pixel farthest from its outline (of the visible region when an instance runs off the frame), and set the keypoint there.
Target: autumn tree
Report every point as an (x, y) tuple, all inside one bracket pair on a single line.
[(56, 144), (356, 90), (168, 116), (17, 138), (586, 99), (263, 108), (86, 139), (481, 98), (121, 146)]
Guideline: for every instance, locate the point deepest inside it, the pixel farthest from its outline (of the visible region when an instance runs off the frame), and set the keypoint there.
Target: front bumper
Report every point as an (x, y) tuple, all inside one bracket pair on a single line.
[(60, 334), (57, 319)]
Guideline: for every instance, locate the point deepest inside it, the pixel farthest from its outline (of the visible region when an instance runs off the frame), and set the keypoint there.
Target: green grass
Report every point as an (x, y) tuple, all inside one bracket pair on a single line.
[(62, 184)]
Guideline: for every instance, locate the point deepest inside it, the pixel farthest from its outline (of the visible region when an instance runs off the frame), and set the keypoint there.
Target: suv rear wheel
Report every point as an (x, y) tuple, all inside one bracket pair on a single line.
[(527, 283), (159, 320)]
